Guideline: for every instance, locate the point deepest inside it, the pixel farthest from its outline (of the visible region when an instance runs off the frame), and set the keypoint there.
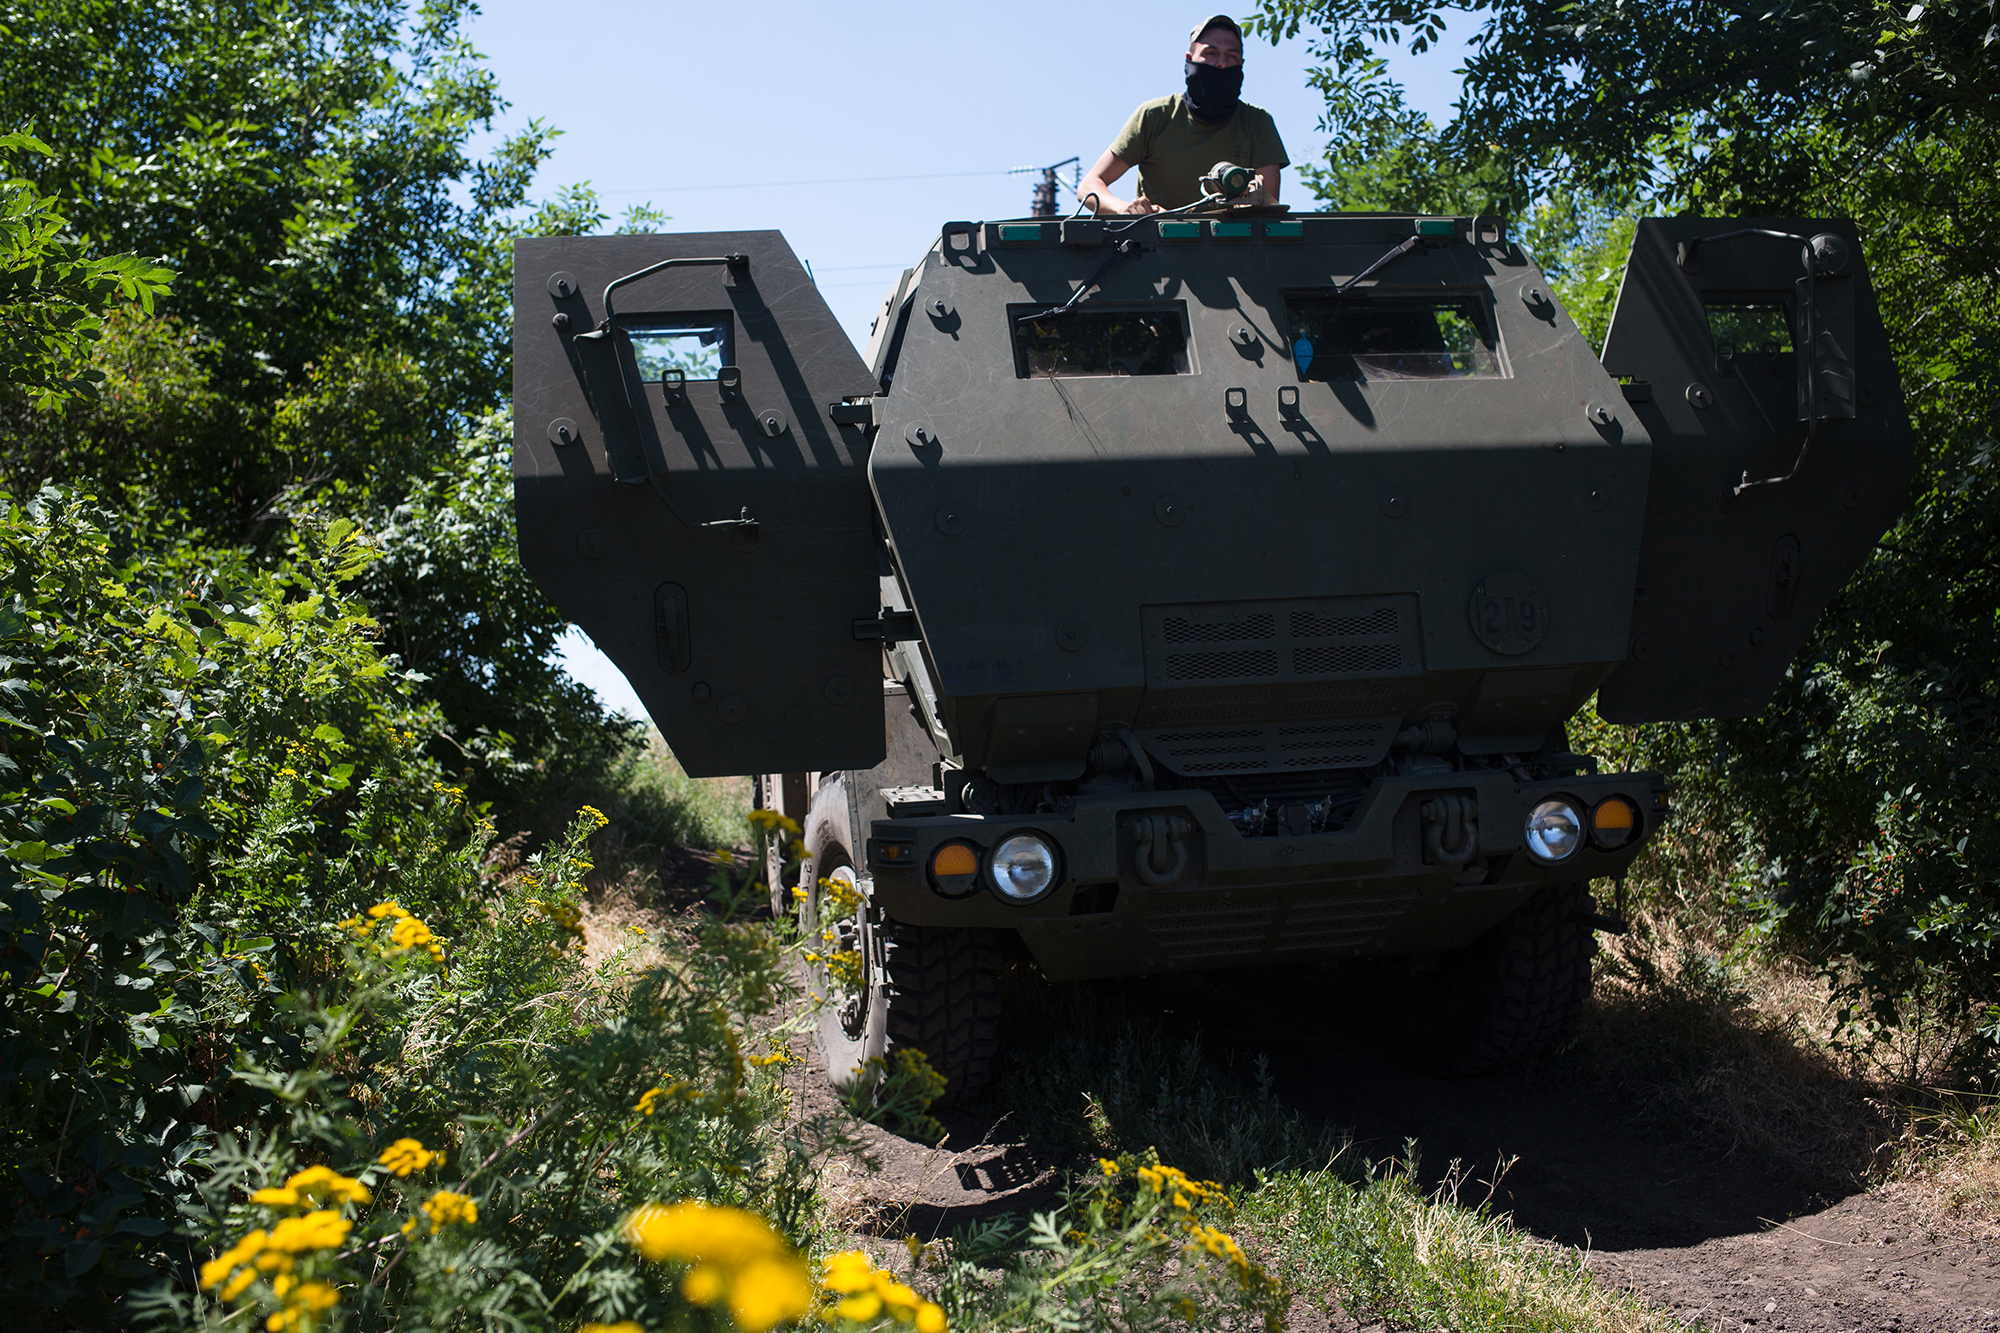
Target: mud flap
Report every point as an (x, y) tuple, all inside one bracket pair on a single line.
[(1753, 521), (683, 494)]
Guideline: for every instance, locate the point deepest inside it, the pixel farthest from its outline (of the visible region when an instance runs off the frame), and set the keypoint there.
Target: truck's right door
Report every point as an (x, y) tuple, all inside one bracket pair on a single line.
[(1781, 452)]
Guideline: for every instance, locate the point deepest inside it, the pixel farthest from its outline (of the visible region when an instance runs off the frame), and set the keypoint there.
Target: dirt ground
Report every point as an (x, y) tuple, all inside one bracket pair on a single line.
[(1721, 1242)]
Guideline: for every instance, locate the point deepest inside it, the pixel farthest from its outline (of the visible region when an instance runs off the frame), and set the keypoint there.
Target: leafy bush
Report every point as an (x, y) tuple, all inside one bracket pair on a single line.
[(203, 761)]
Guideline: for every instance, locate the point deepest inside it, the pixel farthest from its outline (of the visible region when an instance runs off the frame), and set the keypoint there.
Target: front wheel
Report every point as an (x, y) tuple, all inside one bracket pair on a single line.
[(885, 986), (1524, 983)]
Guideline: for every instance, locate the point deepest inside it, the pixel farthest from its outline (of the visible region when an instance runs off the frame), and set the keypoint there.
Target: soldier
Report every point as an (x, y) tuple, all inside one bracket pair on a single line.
[(1174, 140)]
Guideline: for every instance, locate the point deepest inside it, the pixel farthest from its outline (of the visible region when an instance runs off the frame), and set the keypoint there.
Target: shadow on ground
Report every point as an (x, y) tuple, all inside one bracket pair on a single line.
[(1587, 1168)]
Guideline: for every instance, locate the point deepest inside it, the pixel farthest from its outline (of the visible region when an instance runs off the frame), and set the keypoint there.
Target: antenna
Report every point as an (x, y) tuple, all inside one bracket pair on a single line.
[(1044, 205)]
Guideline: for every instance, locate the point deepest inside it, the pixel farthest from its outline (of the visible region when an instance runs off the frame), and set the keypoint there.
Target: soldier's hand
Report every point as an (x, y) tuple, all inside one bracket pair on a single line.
[(1142, 205)]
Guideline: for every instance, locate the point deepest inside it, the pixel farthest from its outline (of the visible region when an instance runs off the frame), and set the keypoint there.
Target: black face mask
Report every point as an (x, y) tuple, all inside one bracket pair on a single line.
[(1212, 90)]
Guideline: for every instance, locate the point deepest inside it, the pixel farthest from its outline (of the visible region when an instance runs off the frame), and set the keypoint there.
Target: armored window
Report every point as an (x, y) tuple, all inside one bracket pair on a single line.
[(1752, 334), (696, 345), (1393, 336), (1101, 340)]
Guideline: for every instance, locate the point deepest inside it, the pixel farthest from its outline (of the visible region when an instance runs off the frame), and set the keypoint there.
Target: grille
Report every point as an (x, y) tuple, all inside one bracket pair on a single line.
[(1192, 934), (1342, 920), (1221, 666), (1283, 641), (1306, 659), (1272, 747), (1337, 659), (1179, 629), (1306, 625)]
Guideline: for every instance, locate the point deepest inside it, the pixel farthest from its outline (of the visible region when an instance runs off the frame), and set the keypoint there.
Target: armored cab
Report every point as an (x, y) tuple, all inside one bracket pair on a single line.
[(1199, 591)]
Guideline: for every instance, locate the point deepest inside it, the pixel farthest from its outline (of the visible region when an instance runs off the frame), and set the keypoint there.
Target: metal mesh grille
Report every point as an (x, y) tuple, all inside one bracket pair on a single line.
[(1179, 629), (1344, 657), (1222, 666), (1307, 625)]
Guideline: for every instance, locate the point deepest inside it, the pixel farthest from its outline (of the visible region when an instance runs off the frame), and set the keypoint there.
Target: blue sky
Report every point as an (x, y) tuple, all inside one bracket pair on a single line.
[(731, 116)]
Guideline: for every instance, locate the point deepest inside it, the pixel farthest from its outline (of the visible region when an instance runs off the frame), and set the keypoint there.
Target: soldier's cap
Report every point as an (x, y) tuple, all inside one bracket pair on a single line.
[(1215, 21)]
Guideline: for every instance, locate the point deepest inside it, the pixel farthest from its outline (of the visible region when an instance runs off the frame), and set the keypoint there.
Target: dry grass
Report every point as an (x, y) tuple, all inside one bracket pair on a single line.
[(1947, 1170), (1735, 1053)]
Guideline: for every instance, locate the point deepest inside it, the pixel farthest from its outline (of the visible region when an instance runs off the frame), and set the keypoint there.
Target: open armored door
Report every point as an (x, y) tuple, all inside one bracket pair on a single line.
[(684, 495), (1781, 452)]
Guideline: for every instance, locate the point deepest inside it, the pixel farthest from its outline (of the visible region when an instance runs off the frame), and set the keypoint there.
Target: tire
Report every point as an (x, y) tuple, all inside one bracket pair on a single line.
[(933, 989), (1525, 981)]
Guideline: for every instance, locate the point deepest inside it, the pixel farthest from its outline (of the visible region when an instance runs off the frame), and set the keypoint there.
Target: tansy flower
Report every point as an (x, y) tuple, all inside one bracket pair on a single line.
[(733, 1256), (622, 1326), (445, 1209), (315, 1184), (406, 1156), (865, 1292)]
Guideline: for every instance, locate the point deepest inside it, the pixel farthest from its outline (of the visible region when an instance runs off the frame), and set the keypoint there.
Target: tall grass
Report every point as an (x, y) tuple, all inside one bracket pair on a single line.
[(1373, 1243)]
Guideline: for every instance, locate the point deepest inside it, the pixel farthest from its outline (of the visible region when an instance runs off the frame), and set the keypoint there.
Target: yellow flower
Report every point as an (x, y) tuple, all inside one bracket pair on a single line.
[(444, 1209), (622, 1326), (243, 1252), (733, 1255), (302, 1304), (771, 821), (322, 1229), (315, 1184), (866, 1292), (767, 1292), (406, 1156), (1110, 1167), (597, 816), (648, 1097)]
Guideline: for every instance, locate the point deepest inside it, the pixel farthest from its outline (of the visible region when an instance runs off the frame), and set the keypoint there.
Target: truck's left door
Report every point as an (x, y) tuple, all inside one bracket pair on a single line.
[(684, 495)]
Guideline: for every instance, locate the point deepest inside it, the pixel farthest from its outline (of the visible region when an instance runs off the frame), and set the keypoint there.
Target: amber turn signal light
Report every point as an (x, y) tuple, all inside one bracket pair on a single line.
[(955, 868), (1614, 822)]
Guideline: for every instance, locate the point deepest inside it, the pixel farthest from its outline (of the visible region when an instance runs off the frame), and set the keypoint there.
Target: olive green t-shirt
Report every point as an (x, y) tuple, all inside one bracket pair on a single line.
[(1173, 150)]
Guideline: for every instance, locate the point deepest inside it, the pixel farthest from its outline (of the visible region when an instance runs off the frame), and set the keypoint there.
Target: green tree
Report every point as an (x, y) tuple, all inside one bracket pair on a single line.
[(304, 168), (338, 334), (1862, 798), (53, 296)]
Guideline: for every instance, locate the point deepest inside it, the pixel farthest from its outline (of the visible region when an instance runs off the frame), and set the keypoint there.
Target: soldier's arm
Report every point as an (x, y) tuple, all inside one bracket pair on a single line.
[(1267, 183), (1097, 181)]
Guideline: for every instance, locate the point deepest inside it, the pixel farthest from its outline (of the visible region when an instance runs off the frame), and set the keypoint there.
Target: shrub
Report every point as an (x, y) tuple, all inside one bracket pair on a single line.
[(203, 761)]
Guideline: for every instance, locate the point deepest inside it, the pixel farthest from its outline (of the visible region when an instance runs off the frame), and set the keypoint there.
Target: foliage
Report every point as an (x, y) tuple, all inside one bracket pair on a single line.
[(304, 170), (1134, 1246), (503, 1114), (53, 296), (457, 606), (201, 757), (338, 333), (1374, 1243)]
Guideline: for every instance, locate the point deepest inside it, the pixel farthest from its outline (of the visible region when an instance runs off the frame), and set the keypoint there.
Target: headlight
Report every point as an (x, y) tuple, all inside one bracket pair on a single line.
[(1614, 823), (1554, 830), (1024, 867)]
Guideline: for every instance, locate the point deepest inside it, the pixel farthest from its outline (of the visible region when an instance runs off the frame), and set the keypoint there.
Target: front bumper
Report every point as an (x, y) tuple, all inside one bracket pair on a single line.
[(1374, 888)]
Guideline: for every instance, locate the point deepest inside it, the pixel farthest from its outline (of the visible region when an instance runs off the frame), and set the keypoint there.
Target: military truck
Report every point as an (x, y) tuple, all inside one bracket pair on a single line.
[(1198, 591)]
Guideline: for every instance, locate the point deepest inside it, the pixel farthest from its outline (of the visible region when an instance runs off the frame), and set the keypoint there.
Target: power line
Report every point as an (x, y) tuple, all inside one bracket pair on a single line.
[(836, 180)]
